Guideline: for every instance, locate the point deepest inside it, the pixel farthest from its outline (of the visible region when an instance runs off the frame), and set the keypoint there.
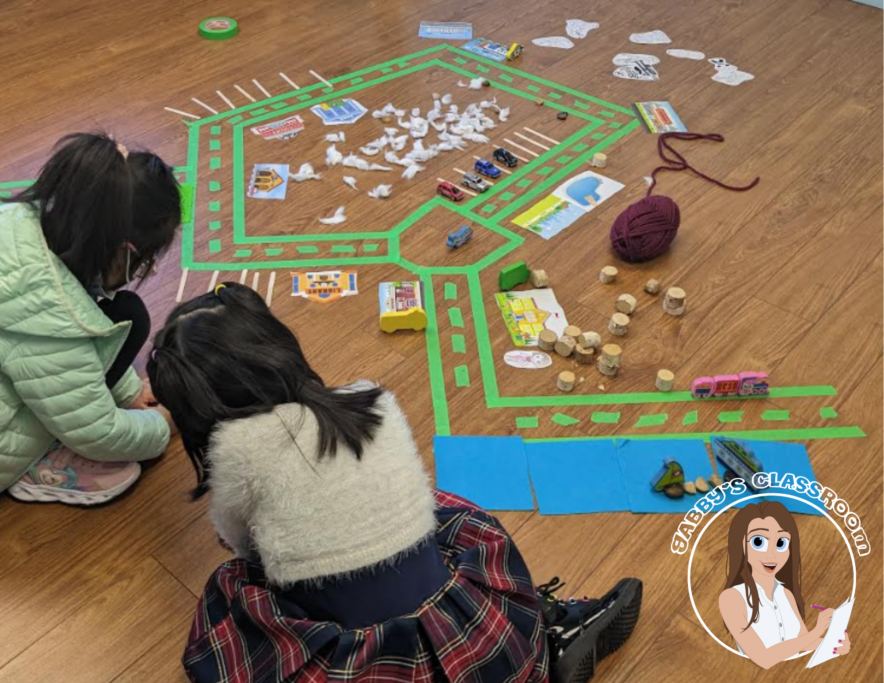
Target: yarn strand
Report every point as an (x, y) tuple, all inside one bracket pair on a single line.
[(645, 229), (679, 163)]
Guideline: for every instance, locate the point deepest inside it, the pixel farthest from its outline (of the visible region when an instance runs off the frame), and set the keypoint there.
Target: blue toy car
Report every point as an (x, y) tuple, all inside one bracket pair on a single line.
[(459, 238), (486, 168)]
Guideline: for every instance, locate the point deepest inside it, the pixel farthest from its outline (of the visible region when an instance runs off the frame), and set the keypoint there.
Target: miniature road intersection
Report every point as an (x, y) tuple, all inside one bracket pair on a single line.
[(448, 290)]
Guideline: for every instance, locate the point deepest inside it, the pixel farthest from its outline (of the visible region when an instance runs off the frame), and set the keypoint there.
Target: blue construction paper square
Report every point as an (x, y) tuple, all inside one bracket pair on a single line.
[(572, 477), (641, 459), (491, 471), (782, 458)]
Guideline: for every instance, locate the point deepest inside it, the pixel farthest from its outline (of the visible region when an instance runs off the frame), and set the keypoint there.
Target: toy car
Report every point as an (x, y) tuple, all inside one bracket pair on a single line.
[(474, 182), (460, 237), (486, 168), (449, 191), (514, 51), (505, 157)]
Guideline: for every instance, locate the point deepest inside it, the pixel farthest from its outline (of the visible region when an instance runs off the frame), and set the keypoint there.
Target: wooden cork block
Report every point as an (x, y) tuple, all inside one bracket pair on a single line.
[(619, 324), (572, 331), (584, 355), (652, 286), (565, 381), (674, 303), (565, 346), (589, 340), (539, 280), (607, 369), (626, 303), (611, 354), (665, 380), (547, 339), (599, 160), (538, 101), (608, 274)]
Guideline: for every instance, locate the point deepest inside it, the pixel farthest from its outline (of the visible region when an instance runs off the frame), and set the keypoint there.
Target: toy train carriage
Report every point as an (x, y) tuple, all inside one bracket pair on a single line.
[(739, 460), (744, 384)]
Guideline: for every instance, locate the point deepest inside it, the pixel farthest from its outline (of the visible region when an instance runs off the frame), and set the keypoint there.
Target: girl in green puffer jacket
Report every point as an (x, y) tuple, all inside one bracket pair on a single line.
[(74, 416)]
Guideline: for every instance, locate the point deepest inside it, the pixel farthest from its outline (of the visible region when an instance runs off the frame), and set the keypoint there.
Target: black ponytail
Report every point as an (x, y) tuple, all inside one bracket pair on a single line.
[(224, 356), (92, 200)]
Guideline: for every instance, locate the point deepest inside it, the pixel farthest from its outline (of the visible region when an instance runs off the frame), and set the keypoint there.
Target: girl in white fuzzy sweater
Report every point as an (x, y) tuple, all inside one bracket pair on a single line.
[(348, 565)]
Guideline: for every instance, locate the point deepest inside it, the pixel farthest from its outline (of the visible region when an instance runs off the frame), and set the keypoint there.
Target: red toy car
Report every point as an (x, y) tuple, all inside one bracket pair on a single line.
[(450, 191)]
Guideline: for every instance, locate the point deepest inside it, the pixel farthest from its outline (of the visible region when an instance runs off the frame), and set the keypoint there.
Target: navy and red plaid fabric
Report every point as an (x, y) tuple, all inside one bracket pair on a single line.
[(484, 626)]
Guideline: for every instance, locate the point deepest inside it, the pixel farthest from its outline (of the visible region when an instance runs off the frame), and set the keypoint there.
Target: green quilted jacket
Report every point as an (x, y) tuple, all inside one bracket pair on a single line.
[(55, 347)]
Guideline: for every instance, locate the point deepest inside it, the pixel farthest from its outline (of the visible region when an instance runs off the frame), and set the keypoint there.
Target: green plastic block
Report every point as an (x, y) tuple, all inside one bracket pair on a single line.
[(512, 276), (187, 190)]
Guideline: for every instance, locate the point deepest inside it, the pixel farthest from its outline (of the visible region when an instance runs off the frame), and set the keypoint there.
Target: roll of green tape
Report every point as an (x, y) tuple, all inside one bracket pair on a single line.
[(218, 28)]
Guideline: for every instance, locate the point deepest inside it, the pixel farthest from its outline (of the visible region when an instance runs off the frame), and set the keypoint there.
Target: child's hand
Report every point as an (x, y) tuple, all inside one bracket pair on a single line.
[(167, 416), (145, 399), (843, 646)]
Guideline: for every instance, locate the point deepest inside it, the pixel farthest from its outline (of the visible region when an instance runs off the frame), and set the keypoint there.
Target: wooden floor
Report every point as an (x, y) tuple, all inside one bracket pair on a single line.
[(786, 278)]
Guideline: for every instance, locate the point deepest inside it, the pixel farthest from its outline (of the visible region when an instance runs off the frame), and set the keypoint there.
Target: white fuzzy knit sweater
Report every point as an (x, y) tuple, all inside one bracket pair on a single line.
[(308, 517)]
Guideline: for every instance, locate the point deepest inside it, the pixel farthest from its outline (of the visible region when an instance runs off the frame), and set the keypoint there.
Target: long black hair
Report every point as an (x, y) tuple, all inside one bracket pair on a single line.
[(93, 199), (225, 356)]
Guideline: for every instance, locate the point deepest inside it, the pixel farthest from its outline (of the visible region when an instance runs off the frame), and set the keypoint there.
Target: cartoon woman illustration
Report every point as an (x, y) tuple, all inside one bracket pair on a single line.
[(764, 614)]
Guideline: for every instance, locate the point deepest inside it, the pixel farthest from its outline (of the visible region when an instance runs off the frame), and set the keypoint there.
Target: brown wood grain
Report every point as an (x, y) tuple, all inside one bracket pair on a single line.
[(786, 278)]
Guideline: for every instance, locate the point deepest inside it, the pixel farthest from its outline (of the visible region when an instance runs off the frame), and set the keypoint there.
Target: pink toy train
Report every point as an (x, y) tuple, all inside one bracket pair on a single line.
[(744, 384)]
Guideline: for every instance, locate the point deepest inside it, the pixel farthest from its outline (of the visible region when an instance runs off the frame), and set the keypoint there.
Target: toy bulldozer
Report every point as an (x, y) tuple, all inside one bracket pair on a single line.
[(670, 479)]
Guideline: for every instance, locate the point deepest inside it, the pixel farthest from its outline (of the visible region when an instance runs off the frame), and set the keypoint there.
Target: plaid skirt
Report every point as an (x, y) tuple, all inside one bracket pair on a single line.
[(483, 626)]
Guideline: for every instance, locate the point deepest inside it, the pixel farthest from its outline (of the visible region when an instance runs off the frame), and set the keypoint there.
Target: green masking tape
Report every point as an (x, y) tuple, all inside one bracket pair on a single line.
[(218, 28)]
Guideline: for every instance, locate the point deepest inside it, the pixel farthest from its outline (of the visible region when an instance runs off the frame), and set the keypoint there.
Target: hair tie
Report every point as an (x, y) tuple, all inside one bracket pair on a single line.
[(218, 288), (153, 354)]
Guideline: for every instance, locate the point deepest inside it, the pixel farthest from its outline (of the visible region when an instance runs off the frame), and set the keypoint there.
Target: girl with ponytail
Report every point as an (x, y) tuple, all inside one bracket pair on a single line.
[(348, 565), (75, 419)]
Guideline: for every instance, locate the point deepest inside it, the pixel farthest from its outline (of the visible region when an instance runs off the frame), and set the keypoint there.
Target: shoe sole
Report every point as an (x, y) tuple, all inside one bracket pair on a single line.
[(37, 493), (604, 636)]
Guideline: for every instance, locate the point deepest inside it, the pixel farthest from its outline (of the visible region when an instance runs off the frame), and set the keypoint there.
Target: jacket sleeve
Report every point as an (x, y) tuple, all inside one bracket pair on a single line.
[(127, 389), (62, 382)]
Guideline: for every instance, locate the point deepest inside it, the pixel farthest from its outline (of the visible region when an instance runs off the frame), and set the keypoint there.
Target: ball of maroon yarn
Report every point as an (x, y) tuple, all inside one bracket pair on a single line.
[(645, 229)]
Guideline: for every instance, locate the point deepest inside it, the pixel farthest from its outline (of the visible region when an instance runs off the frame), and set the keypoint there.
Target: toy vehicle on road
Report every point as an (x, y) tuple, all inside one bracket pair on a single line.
[(505, 157), (460, 237), (474, 182), (486, 168), (450, 191), (515, 50)]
